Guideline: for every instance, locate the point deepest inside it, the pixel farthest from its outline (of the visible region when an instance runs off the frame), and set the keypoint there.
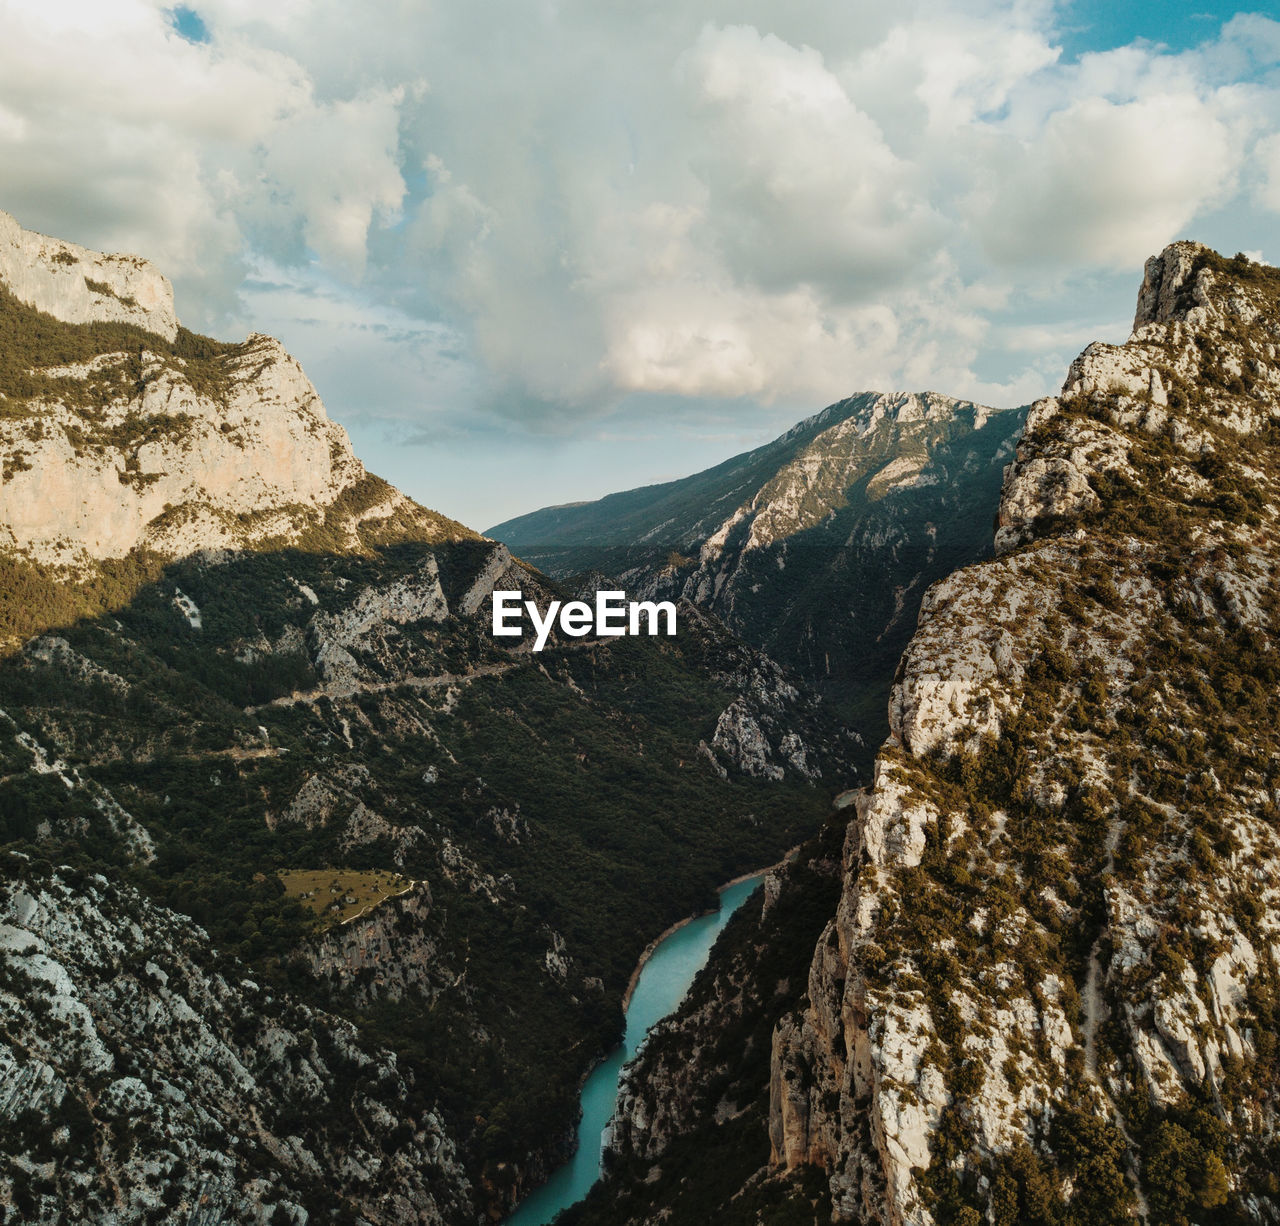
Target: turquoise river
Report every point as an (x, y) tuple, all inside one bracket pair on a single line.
[(663, 981)]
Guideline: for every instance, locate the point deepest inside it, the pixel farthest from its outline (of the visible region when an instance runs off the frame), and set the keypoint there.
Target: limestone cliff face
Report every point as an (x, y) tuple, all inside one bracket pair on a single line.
[(202, 474), (144, 442), (384, 953), (689, 1074), (79, 286), (1049, 987)]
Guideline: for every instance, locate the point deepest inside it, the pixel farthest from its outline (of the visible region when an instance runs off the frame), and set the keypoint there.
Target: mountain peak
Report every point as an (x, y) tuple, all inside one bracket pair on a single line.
[(1187, 275), (868, 409)]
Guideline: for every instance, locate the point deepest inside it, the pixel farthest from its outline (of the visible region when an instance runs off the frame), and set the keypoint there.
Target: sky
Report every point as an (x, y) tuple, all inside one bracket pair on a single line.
[(534, 251)]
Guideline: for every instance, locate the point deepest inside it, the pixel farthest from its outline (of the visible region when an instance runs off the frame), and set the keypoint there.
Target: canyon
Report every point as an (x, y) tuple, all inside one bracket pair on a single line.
[(319, 900)]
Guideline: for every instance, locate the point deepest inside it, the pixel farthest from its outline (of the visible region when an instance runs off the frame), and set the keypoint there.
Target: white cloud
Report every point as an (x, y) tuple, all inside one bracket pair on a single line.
[(1106, 183), (580, 202), (801, 188), (333, 168), (1268, 159)]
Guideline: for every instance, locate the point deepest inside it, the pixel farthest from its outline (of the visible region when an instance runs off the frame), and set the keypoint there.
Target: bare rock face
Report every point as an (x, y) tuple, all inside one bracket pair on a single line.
[(1048, 987), (384, 953), (80, 286), (1164, 278), (152, 441), (203, 474)]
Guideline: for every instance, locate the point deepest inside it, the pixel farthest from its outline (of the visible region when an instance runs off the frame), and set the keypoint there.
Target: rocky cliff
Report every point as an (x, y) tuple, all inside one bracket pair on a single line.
[(138, 1083), (689, 1140), (817, 547), (124, 434), (1049, 986), (1048, 991), (80, 286)]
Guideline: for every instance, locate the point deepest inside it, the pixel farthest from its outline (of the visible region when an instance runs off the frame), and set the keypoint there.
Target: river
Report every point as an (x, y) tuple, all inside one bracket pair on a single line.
[(663, 981)]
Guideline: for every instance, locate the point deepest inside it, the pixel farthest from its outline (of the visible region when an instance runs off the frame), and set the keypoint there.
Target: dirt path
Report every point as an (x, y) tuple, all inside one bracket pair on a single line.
[(348, 689), (375, 904), (351, 688)]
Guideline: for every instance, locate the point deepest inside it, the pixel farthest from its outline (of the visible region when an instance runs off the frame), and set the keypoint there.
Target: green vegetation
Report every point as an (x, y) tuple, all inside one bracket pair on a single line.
[(541, 777), (39, 597), (1185, 1156), (101, 287), (33, 344), (339, 895)]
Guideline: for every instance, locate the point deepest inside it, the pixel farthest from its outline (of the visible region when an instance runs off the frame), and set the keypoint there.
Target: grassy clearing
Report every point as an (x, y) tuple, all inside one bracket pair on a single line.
[(338, 895)]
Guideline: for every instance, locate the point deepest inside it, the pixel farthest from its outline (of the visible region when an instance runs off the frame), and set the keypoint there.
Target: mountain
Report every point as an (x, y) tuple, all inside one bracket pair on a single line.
[(128, 439), (1047, 989), (317, 899), (817, 547)]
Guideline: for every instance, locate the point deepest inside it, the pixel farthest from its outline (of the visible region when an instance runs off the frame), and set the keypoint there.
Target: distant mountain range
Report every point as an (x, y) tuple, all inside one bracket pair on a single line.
[(817, 547)]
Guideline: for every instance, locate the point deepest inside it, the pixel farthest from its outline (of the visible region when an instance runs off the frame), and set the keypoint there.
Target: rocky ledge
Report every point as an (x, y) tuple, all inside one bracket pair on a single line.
[(138, 1083)]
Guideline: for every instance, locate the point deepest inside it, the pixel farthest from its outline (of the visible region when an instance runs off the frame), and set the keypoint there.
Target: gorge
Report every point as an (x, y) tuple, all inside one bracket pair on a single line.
[(319, 901), (389, 875), (660, 984)]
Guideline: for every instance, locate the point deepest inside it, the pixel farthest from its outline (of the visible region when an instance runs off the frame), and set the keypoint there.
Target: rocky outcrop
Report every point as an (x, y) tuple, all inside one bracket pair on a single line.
[(79, 286), (364, 625), (1050, 978), (699, 1083), (262, 463), (139, 443), (137, 1081), (771, 728), (385, 953)]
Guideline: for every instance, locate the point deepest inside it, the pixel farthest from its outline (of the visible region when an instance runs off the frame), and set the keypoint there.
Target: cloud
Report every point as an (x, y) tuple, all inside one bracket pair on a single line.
[(328, 171), (801, 188), (1105, 183), (1268, 158), (538, 212)]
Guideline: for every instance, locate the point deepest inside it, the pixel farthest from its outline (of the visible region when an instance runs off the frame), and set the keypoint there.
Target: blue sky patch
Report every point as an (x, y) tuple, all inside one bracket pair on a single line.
[(1099, 25), (189, 24)]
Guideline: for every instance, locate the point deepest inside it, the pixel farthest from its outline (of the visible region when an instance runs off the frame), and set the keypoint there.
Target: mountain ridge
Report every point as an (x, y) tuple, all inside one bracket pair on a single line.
[(522, 530), (871, 498), (1047, 992), (76, 285), (126, 436)]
